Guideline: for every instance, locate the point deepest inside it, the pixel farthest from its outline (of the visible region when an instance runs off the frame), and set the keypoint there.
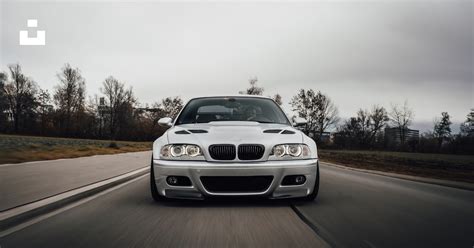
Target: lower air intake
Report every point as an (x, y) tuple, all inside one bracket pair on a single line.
[(236, 184)]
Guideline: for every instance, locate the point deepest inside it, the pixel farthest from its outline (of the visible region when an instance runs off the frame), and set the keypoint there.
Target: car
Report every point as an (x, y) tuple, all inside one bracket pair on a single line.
[(233, 146)]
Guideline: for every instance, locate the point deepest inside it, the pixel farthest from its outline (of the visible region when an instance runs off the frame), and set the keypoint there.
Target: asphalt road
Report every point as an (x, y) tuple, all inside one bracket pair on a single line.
[(28, 182), (354, 209), (357, 209), (128, 217)]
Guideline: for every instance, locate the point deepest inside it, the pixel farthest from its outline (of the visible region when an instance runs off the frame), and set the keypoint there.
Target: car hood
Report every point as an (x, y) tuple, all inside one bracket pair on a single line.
[(228, 132)]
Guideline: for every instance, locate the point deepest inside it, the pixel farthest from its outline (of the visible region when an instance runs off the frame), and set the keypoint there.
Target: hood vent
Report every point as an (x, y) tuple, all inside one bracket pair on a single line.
[(272, 131), (279, 131), (182, 132), (197, 131)]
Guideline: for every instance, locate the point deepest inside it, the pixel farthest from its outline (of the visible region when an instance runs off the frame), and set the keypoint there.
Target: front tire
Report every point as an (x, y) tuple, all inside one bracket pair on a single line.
[(314, 194), (154, 191)]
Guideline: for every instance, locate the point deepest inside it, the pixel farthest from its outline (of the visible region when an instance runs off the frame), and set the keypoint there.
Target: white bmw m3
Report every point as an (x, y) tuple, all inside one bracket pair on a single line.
[(233, 146)]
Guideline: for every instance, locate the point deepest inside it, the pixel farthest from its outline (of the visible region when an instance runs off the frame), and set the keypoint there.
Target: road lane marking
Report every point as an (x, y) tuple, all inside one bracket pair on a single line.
[(65, 208)]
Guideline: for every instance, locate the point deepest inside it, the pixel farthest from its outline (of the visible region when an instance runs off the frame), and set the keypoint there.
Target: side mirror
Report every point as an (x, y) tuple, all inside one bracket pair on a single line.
[(299, 122), (165, 122)]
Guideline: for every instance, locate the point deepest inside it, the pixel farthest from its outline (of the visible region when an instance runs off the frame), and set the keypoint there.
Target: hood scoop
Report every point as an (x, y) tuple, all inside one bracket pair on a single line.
[(191, 131), (182, 132), (280, 131), (197, 131), (272, 131)]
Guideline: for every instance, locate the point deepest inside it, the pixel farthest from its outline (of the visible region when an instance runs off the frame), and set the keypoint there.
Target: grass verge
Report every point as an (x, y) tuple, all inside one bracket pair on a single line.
[(17, 149), (439, 166)]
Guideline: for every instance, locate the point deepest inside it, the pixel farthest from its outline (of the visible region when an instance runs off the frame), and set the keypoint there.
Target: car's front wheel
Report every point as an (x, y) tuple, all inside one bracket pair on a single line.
[(154, 191), (314, 194)]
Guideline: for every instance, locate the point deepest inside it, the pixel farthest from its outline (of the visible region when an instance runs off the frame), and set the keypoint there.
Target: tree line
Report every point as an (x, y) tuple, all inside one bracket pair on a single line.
[(115, 113), (368, 128)]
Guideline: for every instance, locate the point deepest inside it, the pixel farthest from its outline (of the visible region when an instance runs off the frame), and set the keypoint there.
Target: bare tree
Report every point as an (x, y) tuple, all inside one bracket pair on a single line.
[(318, 110), (349, 133), (378, 120), (401, 117), (168, 107), (467, 127), (69, 96), (253, 89), (3, 102), (95, 108), (171, 106), (277, 99), (361, 130), (442, 128), (44, 109), (119, 102), (20, 93), (3, 78)]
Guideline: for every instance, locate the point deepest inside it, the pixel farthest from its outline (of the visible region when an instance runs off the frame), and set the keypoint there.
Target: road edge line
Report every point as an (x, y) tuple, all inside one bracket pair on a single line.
[(313, 226), (23, 213), (439, 182), (60, 159)]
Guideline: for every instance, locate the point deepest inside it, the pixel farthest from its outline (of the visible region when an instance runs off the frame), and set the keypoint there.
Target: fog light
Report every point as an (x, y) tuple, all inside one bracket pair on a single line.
[(172, 180), (178, 181), (293, 180), (300, 179)]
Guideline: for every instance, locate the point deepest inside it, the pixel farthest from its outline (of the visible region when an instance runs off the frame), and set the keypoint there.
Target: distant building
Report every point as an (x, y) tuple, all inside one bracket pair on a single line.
[(8, 114), (393, 135), (326, 137)]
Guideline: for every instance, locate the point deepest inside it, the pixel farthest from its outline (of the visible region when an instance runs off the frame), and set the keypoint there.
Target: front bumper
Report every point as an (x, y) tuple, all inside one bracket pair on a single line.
[(195, 169)]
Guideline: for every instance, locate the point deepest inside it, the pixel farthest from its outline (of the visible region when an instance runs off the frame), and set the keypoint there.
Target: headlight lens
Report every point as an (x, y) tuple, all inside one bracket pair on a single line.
[(290, 151), (294, 150), (193, 150), (279, 150), (177, 151), (180, 151)]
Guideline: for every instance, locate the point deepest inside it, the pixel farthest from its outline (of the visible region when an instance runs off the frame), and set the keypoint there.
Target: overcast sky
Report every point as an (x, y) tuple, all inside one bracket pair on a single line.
[(359, 53)]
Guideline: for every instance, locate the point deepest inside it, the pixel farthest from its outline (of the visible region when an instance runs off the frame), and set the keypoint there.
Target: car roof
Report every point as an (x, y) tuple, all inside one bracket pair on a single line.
[(231, 96)]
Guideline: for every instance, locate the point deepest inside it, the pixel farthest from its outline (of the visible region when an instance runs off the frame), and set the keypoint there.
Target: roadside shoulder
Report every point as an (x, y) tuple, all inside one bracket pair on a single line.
[(19, 214), (67, 159), (447, 183)]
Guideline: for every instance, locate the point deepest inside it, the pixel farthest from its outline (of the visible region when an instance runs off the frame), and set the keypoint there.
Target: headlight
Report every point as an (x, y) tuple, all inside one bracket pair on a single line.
[(279, 150), (295, 150), (193, 151), (177, 151), (184, 151), (290, 151)]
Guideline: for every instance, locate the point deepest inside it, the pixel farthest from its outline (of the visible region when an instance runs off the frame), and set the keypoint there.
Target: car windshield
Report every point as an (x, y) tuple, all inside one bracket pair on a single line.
[(204, 110)]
